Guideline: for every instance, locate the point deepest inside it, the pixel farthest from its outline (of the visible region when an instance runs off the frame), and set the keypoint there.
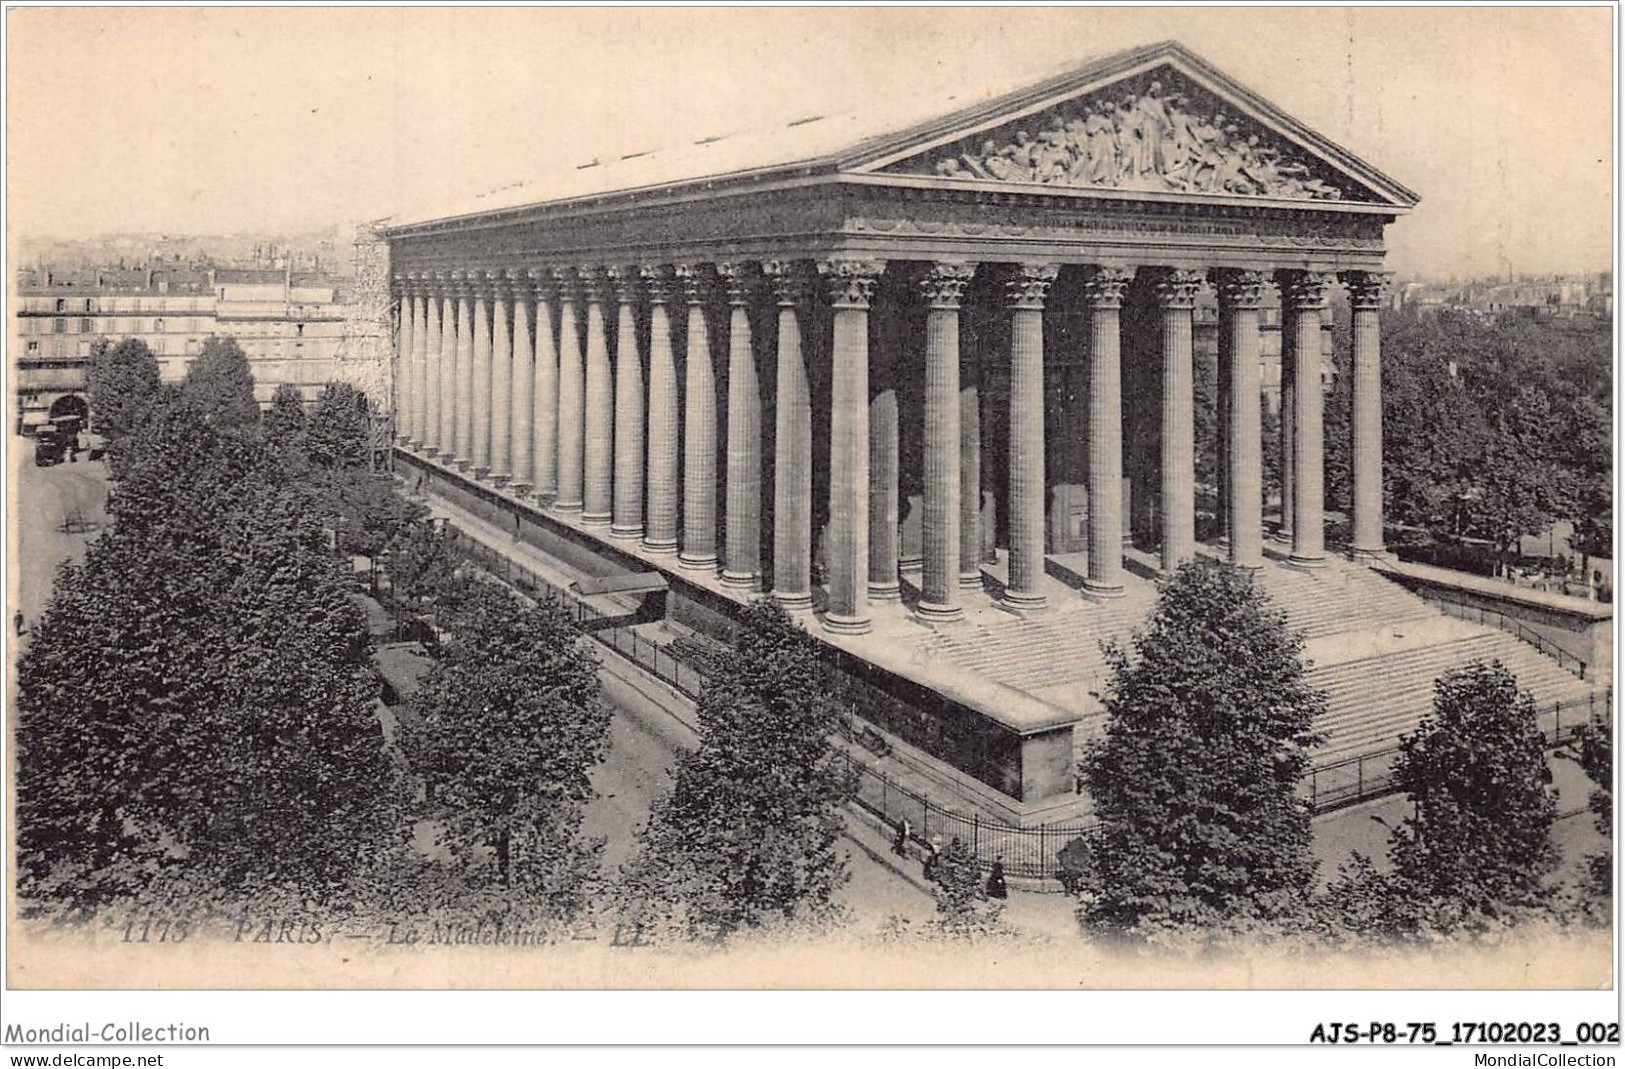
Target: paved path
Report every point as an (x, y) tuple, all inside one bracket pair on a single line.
[(41, 499)]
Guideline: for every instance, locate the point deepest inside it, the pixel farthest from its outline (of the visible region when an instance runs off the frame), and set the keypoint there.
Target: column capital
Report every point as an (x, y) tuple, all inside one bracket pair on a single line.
[(598, 284), (1305, 290), (659, 280), (943, 284), (1242, 289), (1177, 286), (850, 283), (485, 282), (791, 281), (698, 281), (1104, 286), (541, 282), (626, 280), (742, 279), (514, 284), (566, 282), (1029, 285), (461, 283), (1366, 288)]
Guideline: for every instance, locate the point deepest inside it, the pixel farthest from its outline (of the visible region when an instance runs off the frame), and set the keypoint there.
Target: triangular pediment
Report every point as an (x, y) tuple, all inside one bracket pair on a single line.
[(1160, 122)]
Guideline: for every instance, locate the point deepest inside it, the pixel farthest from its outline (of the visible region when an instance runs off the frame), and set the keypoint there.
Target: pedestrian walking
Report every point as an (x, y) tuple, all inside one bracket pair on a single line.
[(899, 845), (932, 857), (995, 879)]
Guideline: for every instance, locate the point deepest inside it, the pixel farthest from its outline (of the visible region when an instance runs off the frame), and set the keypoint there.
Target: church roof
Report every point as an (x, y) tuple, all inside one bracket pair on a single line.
[(871, 142)]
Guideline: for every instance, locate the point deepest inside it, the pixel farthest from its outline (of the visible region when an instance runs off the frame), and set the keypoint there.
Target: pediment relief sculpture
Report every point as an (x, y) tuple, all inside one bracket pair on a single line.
[(1156, 137)]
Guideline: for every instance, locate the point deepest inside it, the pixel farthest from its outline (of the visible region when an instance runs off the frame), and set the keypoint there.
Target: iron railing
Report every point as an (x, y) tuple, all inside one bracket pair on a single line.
[(1511, 626), (1371, 775)]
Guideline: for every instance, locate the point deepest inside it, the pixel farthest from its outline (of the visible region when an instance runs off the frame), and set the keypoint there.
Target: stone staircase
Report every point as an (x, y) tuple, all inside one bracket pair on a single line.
[(1372, 701), (1339, 597)]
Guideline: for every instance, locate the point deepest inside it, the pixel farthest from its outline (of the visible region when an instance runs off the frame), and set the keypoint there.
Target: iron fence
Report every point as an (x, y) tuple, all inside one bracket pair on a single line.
[(1367, 776), (1511, 626)]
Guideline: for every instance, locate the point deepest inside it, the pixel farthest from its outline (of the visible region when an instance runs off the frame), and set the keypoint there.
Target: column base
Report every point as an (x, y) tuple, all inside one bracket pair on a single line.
[(1103, 590), (544, 496), (564, 506), (970, 580), (793, 601), (915, 564), (661, 547), (1024, 604), (842, 624), (519, 489), (1297, 561), (464, 466), (499, 479), (1246, 566), (885, 592), (931, 612), (1364, 555), (595, 519), (481, 473), (707, 563), (626, 532), (741, 580)]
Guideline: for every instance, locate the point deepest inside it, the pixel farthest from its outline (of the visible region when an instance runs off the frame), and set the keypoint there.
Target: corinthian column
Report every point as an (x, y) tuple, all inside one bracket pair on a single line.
[(741, 553), (884, 584), (1241, 295), (522, 395), (1103, 294), (1176, 295), (448, 371), (661, 536), (970, 466), (402, 407), (851, 285), (598, 460), (572, 397), (464, 431), (944, 289), (1288, 418), (422, 384), (792, 447), (544, 455), (480, 409), (1305, 297), (501, 380), (1025, 293), (699, 427), (1365, 300), (628, 519), (432, 393)]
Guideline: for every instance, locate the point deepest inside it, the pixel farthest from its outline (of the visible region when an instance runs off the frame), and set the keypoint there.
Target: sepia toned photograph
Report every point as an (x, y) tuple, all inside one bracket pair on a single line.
[(811, 498)]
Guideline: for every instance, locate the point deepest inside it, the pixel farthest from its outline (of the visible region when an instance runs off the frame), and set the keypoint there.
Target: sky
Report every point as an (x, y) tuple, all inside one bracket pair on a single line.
[(285, 120)]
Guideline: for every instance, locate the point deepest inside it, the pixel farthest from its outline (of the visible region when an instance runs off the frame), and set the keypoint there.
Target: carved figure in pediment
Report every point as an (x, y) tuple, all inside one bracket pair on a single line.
[(1000, 164), (1051, 160), (1101, 153)]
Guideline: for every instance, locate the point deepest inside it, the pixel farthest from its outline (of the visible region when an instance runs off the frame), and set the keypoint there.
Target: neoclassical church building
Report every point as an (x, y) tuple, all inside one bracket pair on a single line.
[(927, 382)]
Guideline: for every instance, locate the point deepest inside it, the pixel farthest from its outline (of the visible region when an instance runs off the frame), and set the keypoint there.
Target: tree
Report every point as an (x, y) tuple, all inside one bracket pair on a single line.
[(747, 838), (1476, 770), (1587, 453), (367, 513), (1195, 777), (511, 724), (285, 420), (123, 384), (220, 388), (338, 435), (1521, 487), (964, 910), (1596, 751)]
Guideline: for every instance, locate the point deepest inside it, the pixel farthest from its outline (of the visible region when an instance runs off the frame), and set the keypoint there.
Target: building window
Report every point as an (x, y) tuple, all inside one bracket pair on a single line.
[(89, 305), (61, 305), (61, 325), (87, 326), (301, 330), (33, 346)]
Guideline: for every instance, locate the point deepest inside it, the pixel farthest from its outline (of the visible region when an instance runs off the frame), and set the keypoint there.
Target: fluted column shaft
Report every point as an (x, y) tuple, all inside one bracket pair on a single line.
[(432, 387), (403, 362), (501, 385), (628, 518), (1365, 300), (448, 379), (970, 468), (1288, 420), (598, 458), (1241, 295), (544, 454), (851, 285), (572, 402), (1176, 296), (884, 584), (522, 395), (1306, 299), (944, 290), (1026, 291), (741, 551), (792, 449), (1103, 294), (661, 535), (699, 550), (480, 409), (464, 430), (421, 384)]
